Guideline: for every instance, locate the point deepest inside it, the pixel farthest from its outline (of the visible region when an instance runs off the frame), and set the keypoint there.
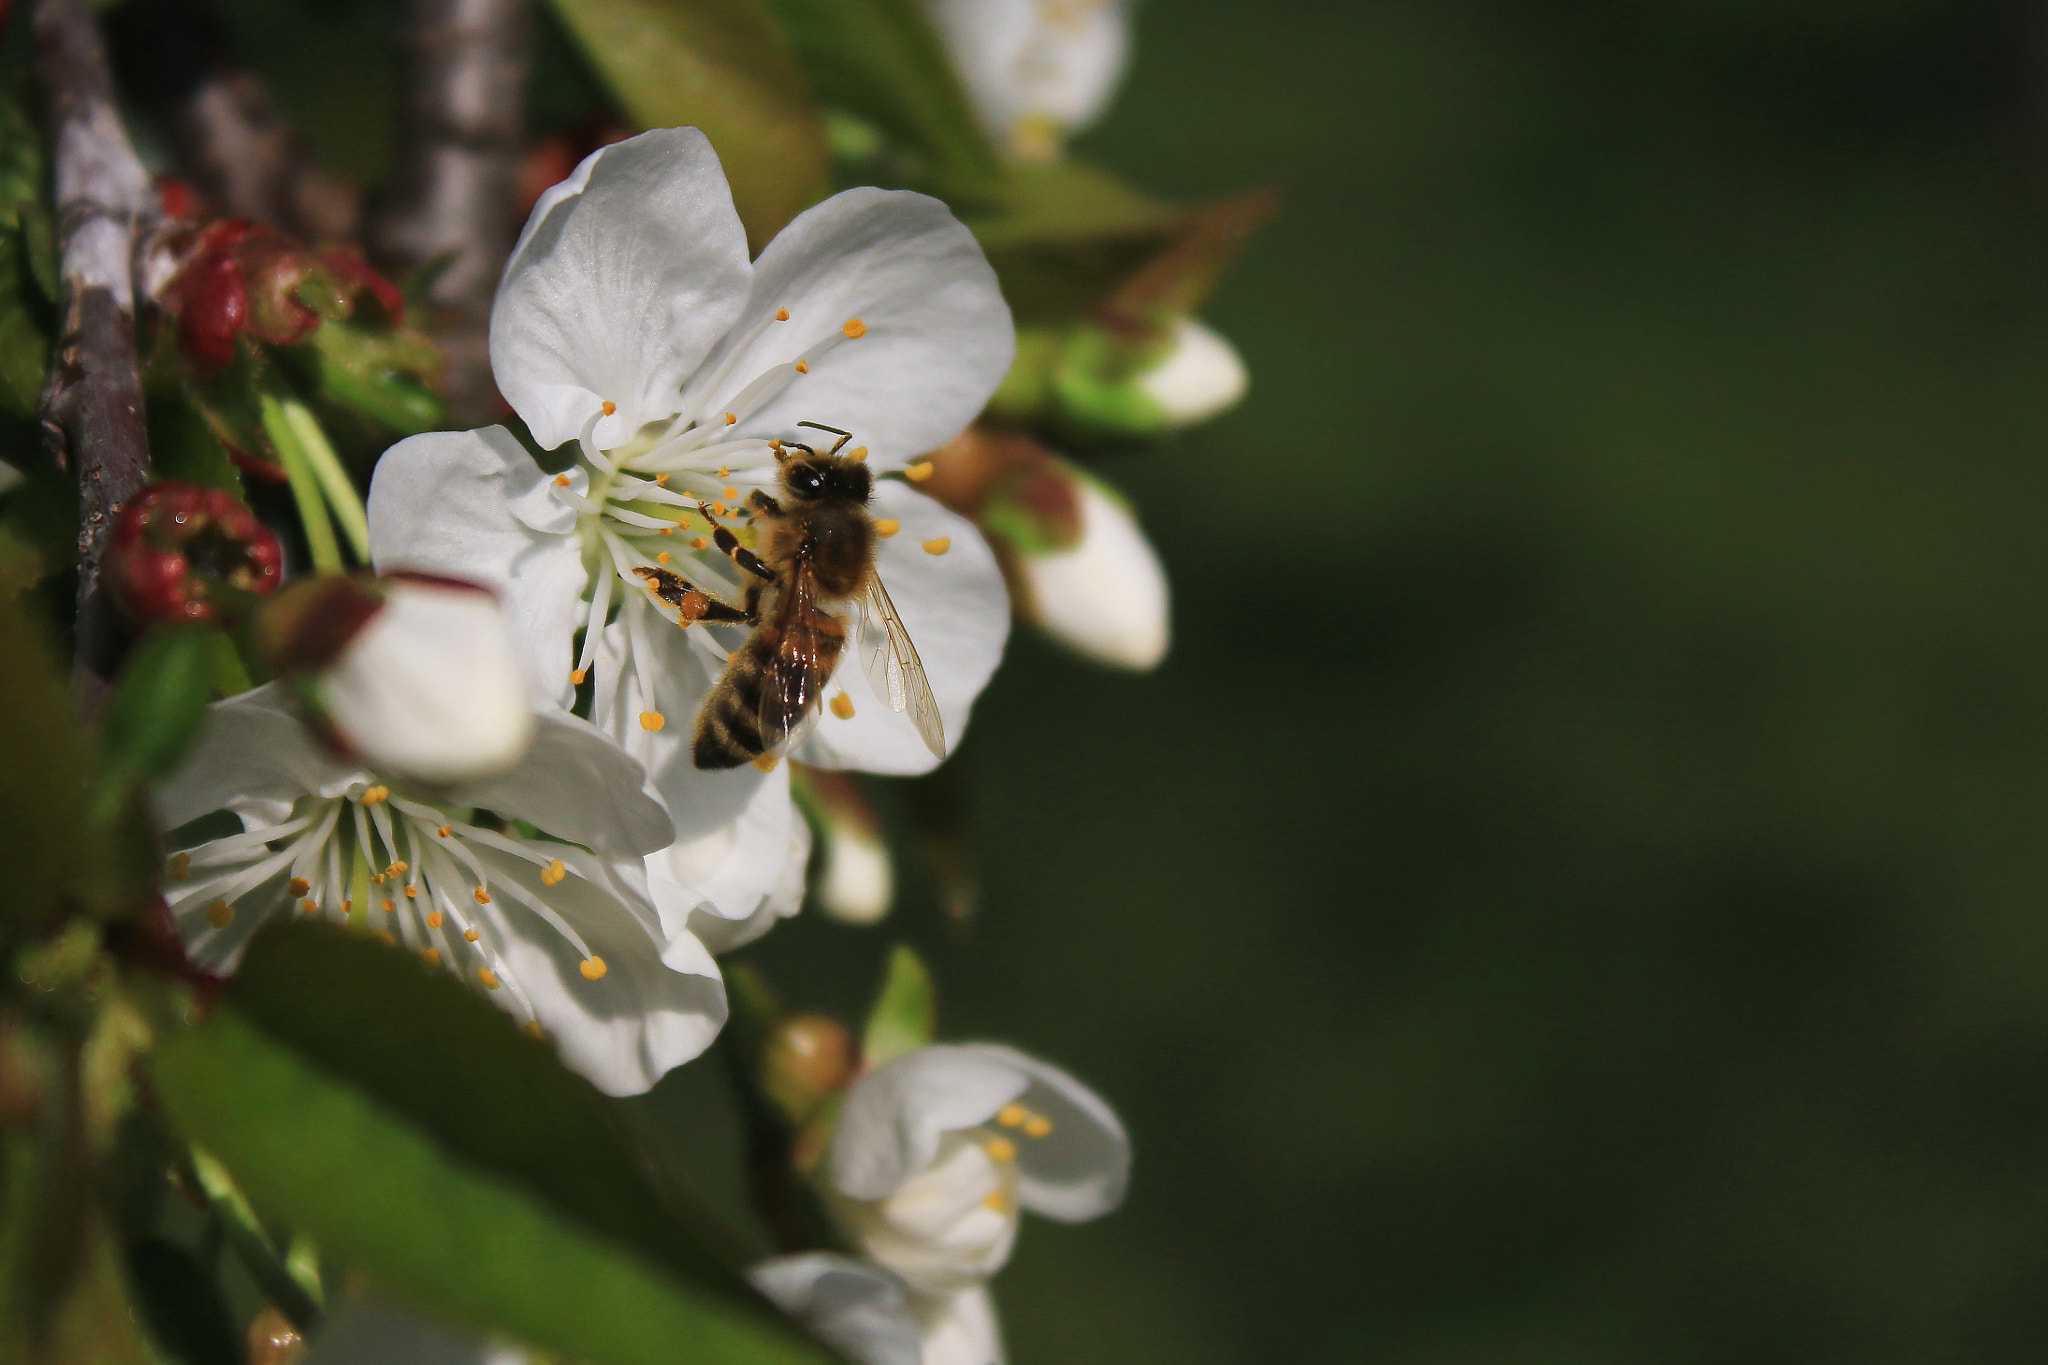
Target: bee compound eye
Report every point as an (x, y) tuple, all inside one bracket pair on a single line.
[(805, 479)]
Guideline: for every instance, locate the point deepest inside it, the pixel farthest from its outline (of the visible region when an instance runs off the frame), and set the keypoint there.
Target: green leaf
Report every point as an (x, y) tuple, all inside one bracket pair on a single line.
[(882, 60), (906, 1012), (182, 1305), (377, 372), (1062, 237), (386, 1196), (725, 67), (157, 705), (55, 859)]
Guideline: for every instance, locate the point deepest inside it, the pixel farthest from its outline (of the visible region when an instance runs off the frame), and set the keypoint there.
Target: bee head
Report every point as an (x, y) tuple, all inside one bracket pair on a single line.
[(820, 477)]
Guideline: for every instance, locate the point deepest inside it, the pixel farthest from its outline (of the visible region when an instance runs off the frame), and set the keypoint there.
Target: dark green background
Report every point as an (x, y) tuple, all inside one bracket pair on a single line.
[(1577, 891)]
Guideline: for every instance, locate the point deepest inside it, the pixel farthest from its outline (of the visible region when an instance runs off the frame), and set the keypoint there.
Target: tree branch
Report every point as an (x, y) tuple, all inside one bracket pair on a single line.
[(453, 197), (92, 401)]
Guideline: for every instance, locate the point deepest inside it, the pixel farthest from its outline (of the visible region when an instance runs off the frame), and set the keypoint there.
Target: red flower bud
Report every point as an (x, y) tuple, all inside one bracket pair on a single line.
[(351, 269), (180, 552)]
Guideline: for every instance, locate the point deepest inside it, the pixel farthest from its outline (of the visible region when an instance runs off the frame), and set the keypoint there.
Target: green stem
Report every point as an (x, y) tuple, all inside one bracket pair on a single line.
[(342, 499), (320, 541), (279, 1281)]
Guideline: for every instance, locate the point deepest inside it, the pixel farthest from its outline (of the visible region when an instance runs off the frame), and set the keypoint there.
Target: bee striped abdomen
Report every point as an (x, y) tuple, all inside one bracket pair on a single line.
[(768, 687)]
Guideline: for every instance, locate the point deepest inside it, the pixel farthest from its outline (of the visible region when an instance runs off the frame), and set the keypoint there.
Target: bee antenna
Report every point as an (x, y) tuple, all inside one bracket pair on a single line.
[(844, 436)]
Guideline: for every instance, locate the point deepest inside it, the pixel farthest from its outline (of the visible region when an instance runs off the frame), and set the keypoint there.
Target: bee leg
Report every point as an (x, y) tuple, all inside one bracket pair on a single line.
[(729, 545), (764, 504)]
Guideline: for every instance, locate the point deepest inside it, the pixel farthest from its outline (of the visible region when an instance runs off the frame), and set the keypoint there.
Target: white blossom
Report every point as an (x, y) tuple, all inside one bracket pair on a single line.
[(934, 1155), (559, 934), (1198, 376), (1105, 595), (631, 322), (863, 1313), (1035, 70)]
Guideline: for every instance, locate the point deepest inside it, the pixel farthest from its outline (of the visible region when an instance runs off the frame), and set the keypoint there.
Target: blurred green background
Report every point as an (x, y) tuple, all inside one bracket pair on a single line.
[(1578, 891)]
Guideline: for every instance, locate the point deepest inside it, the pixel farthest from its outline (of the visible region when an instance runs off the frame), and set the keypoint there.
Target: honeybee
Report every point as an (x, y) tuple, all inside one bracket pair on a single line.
[(816, 560)]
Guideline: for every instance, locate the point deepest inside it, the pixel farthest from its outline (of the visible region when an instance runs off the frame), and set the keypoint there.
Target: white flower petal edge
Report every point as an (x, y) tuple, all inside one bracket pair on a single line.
[(560, 937), (625, 277), (372, 1331), (862, 1312)]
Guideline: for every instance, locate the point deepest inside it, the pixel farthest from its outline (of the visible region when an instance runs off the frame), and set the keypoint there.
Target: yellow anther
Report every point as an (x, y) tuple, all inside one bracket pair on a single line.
[(803, 367), (298, 886), (661, 558), (431, 956), (699, 543), (433, 919), (347, 905), (782, 315), (652, 720), (576, 675), (445, 830), (469, 935), (553, 873), (533, 1029), (724, 473), (775, 444), (997, 1200), (887, 526), (609, 407), (561, 480), (180, 866), (1000, 1149), (411, 891), (854, 328), (668, 530), (732, 492), (842, 706), (592, 967), (938, 545), (308, 906), (488, 977), (483, 897), (765, 762), (219, 914), (386, 937), (919, 472), (1012, 1115), (857, 453), (730, 418), (1038, 1125), (372, 795), (388, 904), (397, 868), (376, 879), (717, 509)]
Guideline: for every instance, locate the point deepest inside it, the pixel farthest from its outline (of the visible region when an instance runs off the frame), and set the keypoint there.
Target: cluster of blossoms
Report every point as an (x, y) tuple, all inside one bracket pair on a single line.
[(548, 741)]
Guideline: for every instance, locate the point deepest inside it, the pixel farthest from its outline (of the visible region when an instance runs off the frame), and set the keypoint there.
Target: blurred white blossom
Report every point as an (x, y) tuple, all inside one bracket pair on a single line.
[(1035, 70)]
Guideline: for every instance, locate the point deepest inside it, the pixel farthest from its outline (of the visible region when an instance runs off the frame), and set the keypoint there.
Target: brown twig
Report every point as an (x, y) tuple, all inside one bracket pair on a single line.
[(92, 401), (457, 178), (247, 162)]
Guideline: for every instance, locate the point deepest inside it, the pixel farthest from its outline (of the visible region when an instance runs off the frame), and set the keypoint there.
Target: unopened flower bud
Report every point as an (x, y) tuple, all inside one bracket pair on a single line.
[(856, 882), (807, 1059), (239, 277), (273, 1340), (180, 552), (1107, 383), (415, 676)]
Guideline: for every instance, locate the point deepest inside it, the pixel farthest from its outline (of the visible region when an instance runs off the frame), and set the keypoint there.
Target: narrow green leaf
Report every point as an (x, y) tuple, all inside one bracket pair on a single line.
[(725, 67), (386, 1197), (55, 860), (344, 503), (305, 485), (882, 59), (905, 1013)]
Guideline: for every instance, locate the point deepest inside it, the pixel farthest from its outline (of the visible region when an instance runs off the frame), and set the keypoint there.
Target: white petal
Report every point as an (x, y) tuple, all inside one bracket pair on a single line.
[(430, 688), (722, 935), (1200, 375), (252, 746), (642, 1018), (474, 505), (938, 336), (1104, 597), (1078, 1168), (857, 881), (960, 1329), (958, 614), (627, 274), (856, 1309), (894, 1118), (576, 784)]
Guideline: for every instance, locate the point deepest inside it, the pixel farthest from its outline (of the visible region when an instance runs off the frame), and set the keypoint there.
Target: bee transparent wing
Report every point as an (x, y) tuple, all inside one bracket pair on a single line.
[(893, 668), (806, 647)]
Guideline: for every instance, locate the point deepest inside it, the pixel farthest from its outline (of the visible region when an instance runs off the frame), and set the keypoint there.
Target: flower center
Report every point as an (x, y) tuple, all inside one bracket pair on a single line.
[(404, 870)]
